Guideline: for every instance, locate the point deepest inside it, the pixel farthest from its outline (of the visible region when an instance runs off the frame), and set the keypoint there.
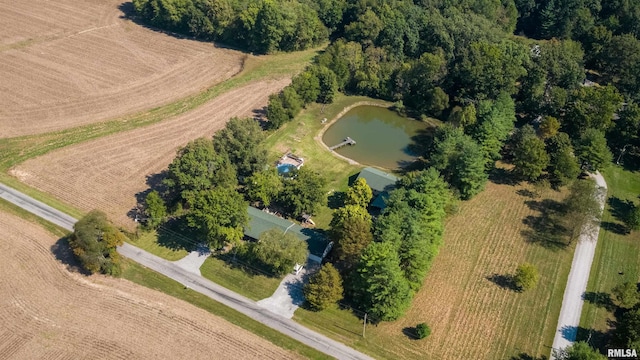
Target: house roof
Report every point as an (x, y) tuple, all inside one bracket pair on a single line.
[(379, 201), (260, 221), (377, 180)]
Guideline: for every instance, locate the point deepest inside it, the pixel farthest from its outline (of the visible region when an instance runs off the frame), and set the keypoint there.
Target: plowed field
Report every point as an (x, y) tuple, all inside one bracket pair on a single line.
[(46, 312), (72, 62), (107, 173)]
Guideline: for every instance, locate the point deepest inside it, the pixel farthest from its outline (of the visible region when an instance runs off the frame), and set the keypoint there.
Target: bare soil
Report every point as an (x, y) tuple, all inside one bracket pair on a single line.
[(47, 312), (107, 173), (67, 63)]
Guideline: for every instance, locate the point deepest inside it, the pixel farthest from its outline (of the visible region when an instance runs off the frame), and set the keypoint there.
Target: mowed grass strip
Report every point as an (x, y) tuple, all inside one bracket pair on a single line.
[(470, 316), (17, 150), (617, 258)]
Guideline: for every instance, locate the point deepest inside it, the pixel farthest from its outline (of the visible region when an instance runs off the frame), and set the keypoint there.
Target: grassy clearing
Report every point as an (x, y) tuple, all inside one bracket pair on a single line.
[(17, 150), (471, 316), (298, 137), (617, 257), (247, 283), (148, 241)]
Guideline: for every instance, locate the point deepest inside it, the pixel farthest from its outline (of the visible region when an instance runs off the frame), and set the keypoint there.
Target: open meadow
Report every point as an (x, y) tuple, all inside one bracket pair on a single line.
[(617, 258), (69, 63), (48, 312), (107, 173), (471, 314)]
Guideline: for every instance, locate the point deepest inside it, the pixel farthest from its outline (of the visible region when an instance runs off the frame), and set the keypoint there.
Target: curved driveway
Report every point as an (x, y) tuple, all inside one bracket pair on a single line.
[(195, 282), (572, 301)]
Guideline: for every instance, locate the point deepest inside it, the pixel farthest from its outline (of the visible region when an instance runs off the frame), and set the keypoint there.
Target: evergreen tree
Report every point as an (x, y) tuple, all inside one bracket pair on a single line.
[(381, 288), (592, 150), (530, 156), (324, 288)]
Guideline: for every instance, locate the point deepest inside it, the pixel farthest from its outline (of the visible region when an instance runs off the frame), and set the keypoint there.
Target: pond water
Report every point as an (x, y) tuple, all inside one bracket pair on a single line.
[(381, 136)]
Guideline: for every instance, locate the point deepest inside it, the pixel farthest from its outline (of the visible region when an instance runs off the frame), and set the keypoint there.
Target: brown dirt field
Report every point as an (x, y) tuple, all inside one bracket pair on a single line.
[(47, 312), (470, 316), (68, 63), (107, 173)]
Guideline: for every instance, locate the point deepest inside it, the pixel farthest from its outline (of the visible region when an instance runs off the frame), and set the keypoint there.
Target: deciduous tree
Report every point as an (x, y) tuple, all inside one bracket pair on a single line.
[(530, 156), (94, 241), (526, 277), (264, 186), (359, 193), (280, 251), (155, 210), (219, 213), (241, 142)]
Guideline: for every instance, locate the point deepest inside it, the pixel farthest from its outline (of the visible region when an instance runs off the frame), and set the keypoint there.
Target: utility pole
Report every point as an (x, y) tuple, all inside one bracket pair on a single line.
[(364, 326)]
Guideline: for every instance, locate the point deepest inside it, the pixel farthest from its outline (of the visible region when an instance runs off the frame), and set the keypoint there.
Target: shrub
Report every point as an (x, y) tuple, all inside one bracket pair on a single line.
[(526, 277), (422, 330)]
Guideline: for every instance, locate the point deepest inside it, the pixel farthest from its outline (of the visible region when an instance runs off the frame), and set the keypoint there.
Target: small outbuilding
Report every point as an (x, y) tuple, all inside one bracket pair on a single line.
[(380, 183)]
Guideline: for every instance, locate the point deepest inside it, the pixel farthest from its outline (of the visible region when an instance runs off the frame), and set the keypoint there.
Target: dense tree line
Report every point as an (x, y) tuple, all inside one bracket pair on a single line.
[(211, 181), (261, 26), (385, 262)]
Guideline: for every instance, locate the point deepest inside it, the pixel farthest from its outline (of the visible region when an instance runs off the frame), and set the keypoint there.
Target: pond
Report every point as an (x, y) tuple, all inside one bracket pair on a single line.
[(381, 136)]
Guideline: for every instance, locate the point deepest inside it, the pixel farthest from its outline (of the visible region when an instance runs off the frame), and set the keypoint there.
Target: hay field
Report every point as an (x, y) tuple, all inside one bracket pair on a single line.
[(107, 173), (73, 62), (47, 312), (470, 316)]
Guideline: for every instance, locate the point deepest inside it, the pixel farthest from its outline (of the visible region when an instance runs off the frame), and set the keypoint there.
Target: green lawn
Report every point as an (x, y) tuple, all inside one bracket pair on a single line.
[(248, 283), (617, 257), (148, 241)]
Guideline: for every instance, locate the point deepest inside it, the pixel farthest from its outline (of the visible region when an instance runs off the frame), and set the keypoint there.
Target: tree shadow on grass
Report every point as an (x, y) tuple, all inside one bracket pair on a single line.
[(615, 228), (504, 281), (63, 253), (546, 229), (620, 209), (528, 193), (600, 299), (176, 235), (525, 356), (600, 340), (154, 183), (336, 199), (502, 176), (410, 332)]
